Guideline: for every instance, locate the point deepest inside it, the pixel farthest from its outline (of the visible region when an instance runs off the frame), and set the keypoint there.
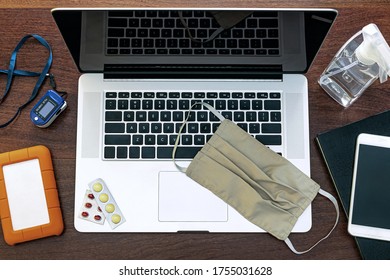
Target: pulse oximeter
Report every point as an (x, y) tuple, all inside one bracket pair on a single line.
[(47, 109)]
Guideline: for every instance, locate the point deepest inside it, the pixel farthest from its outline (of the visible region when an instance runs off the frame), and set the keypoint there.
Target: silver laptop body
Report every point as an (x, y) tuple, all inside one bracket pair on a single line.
[(120, 139)]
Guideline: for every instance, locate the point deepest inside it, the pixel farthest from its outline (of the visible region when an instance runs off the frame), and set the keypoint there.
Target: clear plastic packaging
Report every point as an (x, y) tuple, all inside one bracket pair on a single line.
[(362, 59)]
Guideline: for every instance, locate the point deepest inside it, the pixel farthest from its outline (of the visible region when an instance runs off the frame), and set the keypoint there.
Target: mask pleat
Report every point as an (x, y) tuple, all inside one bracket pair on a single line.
[(274, 166), (243, 167), (237, 193)]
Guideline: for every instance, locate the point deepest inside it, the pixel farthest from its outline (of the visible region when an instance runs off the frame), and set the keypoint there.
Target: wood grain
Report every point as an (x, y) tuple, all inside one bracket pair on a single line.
[(187, 3), (60, 138)]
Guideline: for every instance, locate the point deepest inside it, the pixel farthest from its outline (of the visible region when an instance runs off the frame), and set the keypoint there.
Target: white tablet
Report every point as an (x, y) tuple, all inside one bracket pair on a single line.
[(369, 212)]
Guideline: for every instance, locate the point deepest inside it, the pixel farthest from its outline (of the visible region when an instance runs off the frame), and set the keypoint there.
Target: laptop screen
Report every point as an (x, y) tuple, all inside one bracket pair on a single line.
[(281, 40)]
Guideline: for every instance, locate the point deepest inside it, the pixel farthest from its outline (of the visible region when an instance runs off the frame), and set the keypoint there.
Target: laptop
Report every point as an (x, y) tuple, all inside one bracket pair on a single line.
[(141, 71)]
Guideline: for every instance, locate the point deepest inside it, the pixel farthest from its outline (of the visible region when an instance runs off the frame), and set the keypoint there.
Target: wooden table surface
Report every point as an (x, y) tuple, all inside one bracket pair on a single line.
[(28, 16)]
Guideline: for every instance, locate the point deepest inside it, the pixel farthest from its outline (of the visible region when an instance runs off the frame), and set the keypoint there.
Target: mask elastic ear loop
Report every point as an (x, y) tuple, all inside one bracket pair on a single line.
[(336, 205), (212, 110)]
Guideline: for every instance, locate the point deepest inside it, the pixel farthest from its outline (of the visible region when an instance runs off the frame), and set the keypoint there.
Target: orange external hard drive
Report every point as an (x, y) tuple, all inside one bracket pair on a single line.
[(29, 204)]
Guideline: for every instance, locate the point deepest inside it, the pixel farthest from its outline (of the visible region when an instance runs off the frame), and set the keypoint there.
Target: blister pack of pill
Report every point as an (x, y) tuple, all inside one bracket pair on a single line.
[(106, 202), (90, 210)]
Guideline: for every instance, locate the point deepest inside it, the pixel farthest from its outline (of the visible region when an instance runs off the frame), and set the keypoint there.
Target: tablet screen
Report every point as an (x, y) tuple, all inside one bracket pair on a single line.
[(371, 206)]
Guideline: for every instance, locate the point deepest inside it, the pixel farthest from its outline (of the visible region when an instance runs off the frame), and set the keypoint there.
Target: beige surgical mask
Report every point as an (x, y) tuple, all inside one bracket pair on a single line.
[(261, 185)]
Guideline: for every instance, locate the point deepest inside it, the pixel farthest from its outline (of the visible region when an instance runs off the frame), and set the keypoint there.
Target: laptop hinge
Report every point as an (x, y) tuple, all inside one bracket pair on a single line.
[(140, 71)]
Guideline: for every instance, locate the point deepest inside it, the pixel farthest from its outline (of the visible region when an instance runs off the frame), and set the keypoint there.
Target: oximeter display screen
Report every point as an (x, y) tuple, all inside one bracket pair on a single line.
[(45, 108)]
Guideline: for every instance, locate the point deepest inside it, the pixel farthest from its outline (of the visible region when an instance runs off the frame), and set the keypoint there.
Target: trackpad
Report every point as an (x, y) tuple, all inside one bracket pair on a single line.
[(183, 200)]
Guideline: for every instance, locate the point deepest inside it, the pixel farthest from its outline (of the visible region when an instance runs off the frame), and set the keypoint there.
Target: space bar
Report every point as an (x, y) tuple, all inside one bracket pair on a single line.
[(181, 152)]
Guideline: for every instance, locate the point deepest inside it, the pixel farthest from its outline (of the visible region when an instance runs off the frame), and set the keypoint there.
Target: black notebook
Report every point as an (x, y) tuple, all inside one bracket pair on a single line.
[(338, 149)]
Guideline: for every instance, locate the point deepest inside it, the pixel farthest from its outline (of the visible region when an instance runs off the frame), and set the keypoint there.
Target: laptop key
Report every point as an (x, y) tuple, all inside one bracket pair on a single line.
[(117, 140), (181, 152), (271, 128), (184, 104), (136, 94), (147, 104), (109, 152), (110, 104), (169, 127), (262, 95), (276, 117), (143, 128), (159, 104), (123, 104), (272, 105), (135, 104), (257, 104), (153, 116), (178, 116), (232, 104), (227, 115), (202, 116), (245, 104), (166, 116), (150, 139), (156, 127), (149, 94), (200, 95), (111, 94), (134, 152), (205, 128), (238, 116), (172, 104), (212, 95), (269, 139), (162, 94), (210, 102), (186, 94), (138, 139), (193, 127), (199, 139), (114, 127), (128, 116), (131, 128), (140, 116), (172, 139), (220, 104), (121, 152), (251, 116), (148, 152), (186, 140), (162, 139), (254, 128), (263, 117), (224, 95), (113, 116)]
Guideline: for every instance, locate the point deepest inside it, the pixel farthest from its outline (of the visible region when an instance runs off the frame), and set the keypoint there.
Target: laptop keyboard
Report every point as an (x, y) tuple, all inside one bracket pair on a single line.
[(145, 125), (161, 32)]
